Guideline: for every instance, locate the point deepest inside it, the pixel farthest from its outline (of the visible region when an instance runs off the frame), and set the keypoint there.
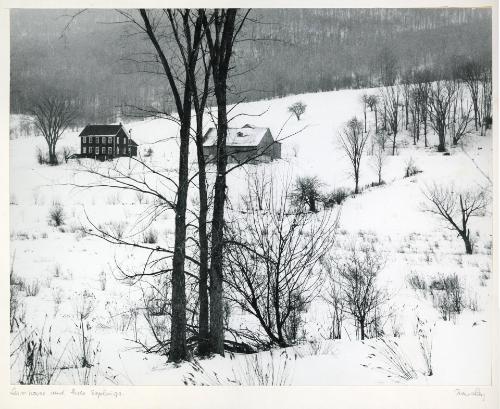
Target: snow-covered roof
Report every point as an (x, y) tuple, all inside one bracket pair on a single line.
[(103, 130), (246, 136)]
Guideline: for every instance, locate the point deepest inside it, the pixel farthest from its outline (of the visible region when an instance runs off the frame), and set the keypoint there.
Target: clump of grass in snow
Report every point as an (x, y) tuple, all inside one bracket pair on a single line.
[(102, 280), (411, 168), (416, 282), (424, 334), (394, 363), (274, 368), (32, 288), (39, 364), (314, 347)]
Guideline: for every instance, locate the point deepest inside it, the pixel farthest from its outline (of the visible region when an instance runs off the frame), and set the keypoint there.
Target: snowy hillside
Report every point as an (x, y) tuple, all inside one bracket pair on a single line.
[(80, 288)]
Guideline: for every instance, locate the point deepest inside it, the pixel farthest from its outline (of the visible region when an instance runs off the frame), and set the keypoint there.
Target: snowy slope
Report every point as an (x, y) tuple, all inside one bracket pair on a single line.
[(70, 265)]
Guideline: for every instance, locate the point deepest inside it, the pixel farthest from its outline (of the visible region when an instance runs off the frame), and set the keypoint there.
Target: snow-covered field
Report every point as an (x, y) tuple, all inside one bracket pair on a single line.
[(77, 274)]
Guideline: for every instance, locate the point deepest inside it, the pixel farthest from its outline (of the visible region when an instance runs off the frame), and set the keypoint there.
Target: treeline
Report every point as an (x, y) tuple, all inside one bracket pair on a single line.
[(286, 51)]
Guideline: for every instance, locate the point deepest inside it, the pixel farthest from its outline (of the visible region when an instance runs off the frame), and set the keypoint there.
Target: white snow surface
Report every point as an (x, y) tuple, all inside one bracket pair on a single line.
[(71, 265)]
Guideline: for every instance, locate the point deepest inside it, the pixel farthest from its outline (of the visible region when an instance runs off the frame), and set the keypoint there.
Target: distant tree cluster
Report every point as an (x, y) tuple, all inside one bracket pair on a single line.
[(308, 51)]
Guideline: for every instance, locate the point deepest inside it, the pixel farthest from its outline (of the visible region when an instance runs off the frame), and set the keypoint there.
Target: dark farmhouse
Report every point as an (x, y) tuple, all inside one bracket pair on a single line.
[(106, 142), (249, 143)]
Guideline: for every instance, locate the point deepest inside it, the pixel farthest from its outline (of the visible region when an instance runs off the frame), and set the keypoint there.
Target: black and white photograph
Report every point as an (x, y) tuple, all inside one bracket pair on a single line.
[(252, 197)]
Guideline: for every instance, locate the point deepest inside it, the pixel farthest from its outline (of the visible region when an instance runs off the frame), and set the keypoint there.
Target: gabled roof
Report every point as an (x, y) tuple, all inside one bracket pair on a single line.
[(132, 142), (101, 130), (246, 136)]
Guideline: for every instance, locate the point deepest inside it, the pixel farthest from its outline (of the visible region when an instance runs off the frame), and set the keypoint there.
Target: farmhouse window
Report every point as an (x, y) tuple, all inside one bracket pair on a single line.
[(110, 150), (84, 139), (103, 150), (110, 139), (84, 149), (124, 150), (90, 149)]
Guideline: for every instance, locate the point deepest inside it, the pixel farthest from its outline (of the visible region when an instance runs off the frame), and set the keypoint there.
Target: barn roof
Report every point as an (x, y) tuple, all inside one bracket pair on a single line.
[(246, 136), (101, 130)]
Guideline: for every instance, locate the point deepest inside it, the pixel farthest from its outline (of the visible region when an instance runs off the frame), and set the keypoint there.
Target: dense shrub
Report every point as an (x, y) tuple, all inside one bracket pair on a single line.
[(56, 215), (335, 197), (448, 296)]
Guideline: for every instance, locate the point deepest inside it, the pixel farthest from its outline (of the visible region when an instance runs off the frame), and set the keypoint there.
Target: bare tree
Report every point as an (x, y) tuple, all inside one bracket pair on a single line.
[(51, 116), (353, 142), (357, 277), (297, 108), (415, 112), (462, 118), (222, 27), (471, 73), (486, 90), (378, 160), (391, 99), (441, 96), (365, 100), (272, 260), (333, 296), (307, 190), (187, 30), (456, 207), (422, 80), (373, 102)]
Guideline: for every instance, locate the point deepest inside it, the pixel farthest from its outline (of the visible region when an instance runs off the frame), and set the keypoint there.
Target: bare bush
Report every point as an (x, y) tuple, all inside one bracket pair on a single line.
[(411, 168), (116, 229), (41, 157), (56, 215), (273, 261), (357, 277), (139, 196), (448, 296), (416, 282), (334, 297), (66, 153)]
